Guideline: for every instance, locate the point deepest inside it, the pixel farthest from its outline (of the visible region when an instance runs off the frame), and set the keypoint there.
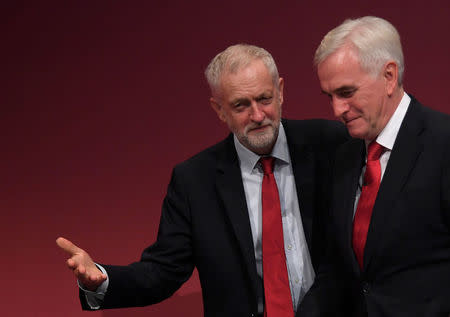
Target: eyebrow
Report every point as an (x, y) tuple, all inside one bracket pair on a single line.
[(264, 94), (344, 88), (239, 100), (339, 90)]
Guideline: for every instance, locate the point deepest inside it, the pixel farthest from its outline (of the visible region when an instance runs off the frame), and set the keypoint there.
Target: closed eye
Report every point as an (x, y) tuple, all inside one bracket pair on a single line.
[(265, 100), (345, 92), (240, 104)]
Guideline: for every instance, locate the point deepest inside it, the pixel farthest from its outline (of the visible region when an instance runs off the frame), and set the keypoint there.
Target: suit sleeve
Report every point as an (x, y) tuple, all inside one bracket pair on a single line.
[(165, 265), (446, 186), (327, 295)]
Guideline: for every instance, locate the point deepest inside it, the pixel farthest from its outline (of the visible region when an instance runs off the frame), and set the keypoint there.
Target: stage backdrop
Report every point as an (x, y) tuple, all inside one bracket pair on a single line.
[(101, 98)]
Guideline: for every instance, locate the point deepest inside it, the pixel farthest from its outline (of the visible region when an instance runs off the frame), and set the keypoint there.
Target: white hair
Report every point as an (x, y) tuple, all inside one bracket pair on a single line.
[(375, 40), (234, 58)]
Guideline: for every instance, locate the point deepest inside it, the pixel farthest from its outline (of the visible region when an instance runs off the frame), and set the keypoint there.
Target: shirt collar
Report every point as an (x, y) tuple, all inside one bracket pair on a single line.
[(388, 135), (249, 159)]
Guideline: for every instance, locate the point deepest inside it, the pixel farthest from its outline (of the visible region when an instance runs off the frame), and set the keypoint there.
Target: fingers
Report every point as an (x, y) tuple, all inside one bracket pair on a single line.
[(97, 279), (71, 264), (92, 274), (82, 265), (90, 280), (67, 246)]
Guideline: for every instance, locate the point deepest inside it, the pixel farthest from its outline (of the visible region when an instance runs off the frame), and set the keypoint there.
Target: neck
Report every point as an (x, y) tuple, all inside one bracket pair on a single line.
[(393, 102), (396, 97)]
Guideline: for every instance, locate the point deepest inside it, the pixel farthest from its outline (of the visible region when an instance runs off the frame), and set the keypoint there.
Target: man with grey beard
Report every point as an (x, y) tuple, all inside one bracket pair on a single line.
[(215, 213)]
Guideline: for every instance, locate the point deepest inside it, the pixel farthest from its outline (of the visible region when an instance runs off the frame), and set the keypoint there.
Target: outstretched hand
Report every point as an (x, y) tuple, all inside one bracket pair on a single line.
[(82, 265)]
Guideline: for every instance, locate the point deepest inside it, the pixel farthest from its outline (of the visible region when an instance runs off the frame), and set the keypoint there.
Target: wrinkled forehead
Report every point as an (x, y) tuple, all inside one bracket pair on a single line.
[(249, 81), (339, 70), (341, 61)]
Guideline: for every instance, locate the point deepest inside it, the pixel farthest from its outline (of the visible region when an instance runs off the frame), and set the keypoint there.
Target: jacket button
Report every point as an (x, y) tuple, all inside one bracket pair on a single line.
[(366, 288)]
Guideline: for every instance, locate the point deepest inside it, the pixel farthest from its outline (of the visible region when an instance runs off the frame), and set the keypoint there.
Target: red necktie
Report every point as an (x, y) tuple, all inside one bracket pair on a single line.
[(372, 177), (278, 301)]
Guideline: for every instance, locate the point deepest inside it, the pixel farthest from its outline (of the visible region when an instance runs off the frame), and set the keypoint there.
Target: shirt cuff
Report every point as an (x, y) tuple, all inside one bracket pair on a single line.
[(95, 298)]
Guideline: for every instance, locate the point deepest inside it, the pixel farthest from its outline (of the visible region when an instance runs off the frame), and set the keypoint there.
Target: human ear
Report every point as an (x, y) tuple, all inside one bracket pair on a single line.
[(280, 89), (217, 108), (390, 75)]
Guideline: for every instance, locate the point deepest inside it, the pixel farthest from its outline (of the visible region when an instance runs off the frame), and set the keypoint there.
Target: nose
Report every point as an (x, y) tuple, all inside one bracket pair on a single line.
[(340, 106), (256, 113)]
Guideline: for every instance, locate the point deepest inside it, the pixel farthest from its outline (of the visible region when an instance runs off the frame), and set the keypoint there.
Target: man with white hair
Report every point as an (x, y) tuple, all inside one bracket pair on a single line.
[(390, 205), (248, 212)]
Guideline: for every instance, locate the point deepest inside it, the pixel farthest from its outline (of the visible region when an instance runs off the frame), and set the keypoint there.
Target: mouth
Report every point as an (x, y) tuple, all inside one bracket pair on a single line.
[(258, 129), (349, 120)]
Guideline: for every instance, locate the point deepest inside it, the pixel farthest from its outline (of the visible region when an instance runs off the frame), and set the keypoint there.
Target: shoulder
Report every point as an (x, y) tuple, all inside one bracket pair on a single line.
[(313, 124), (206, 161), (436, 123), (319, 132), (435, 119)]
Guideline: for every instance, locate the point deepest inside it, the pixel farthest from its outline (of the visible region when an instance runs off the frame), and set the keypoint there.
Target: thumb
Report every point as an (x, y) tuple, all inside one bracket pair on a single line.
[(67, 246)]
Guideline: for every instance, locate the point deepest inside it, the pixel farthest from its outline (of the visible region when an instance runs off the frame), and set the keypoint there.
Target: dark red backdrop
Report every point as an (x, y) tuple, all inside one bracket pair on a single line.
[(101, 98)]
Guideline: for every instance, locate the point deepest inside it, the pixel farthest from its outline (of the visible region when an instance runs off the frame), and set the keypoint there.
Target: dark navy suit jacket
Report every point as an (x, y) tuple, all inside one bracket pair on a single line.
[(407, 255), (205, 224)]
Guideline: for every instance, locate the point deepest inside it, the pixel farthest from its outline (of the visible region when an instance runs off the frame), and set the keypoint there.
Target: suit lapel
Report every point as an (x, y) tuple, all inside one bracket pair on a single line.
[(405, 152), (231, 192), (303, 165)]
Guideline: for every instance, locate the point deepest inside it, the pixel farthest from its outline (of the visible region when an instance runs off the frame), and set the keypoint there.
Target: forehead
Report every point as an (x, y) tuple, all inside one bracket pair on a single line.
[(248, 81), (342, 68)]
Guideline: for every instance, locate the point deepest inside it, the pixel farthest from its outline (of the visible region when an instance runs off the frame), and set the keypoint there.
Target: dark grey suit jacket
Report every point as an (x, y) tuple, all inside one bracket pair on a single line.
[(205, 224)]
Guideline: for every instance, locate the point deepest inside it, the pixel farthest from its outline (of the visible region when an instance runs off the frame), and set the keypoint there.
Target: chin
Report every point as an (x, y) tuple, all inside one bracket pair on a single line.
[(262, 143), (357, 133), (259, 142)]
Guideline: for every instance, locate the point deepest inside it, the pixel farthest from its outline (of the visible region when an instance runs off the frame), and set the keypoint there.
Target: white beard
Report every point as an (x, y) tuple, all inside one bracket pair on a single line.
[(257, 142)]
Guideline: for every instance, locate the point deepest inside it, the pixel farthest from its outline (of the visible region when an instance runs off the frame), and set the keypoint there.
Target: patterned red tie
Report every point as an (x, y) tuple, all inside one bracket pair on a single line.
[(372, 177), (277, 293)]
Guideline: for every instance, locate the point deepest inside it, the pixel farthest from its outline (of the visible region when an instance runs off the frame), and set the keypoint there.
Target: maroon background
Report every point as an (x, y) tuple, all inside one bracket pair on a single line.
[(101, 98)]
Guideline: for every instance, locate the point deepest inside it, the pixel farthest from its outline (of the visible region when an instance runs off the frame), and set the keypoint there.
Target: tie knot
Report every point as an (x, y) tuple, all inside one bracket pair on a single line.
[(374, 151), (267, 163)]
